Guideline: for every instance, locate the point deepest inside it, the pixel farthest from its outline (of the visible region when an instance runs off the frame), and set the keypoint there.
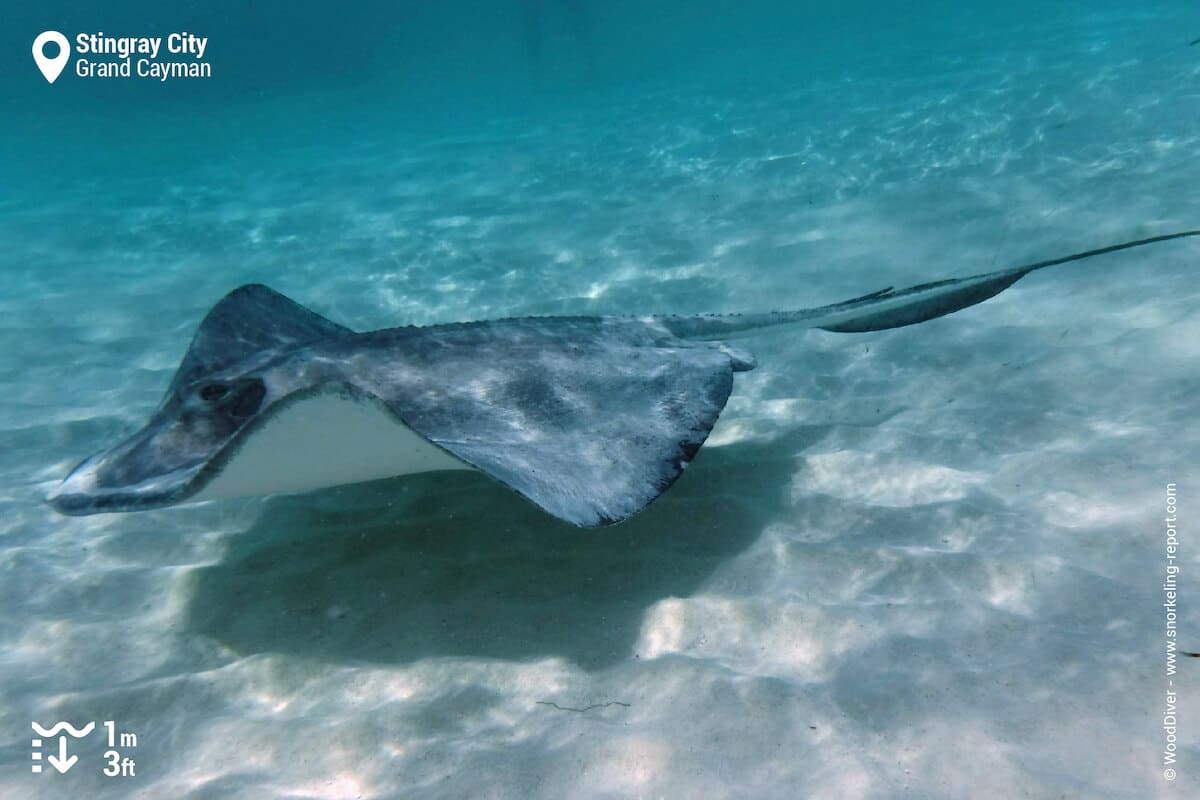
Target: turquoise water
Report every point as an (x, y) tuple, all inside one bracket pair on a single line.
[(918, 563)]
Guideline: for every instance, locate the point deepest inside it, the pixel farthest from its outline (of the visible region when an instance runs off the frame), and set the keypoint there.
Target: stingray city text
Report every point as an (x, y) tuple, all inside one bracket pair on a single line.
[(148, 47)]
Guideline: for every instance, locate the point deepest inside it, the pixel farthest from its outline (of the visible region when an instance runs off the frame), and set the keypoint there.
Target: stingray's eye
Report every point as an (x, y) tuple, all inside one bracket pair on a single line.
[(213, 392)]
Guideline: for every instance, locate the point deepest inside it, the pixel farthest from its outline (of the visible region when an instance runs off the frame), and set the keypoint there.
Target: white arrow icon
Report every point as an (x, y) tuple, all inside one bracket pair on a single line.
[(61, 762), (51, 67)]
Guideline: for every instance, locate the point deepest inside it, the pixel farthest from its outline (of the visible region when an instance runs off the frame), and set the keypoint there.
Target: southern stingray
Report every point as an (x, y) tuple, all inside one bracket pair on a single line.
[(591, 418)]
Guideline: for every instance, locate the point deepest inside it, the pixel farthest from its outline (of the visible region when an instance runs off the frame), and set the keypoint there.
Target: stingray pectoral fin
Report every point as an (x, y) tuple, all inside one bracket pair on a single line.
[(183, 445), (591, 438), (252, 320)]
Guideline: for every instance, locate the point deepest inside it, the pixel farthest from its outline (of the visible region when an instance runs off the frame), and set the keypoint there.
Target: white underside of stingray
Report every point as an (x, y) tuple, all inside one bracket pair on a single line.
[(590, 418), (323, 440)]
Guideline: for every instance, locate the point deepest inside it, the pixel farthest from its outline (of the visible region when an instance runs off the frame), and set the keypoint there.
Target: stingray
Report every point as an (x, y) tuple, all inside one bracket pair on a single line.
[(590, 418)]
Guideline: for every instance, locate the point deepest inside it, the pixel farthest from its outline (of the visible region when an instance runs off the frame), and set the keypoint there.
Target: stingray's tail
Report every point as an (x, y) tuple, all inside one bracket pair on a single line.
[(887, 308)]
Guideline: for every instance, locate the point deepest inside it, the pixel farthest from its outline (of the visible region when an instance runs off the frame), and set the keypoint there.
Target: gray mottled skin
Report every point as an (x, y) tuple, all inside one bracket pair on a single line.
[(590, 418)]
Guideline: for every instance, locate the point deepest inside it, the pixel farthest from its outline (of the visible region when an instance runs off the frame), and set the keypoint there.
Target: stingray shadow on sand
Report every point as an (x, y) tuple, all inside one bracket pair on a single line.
[(451, 564)]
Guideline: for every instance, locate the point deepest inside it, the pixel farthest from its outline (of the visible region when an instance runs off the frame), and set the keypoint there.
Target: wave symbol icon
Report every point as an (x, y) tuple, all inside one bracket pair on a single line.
[(65, 726)]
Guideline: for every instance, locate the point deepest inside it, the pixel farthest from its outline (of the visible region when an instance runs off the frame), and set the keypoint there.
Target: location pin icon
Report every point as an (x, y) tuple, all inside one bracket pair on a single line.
[(51, 67)]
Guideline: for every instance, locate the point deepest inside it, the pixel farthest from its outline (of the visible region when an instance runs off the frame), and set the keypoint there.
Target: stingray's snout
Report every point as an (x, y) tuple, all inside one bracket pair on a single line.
[(84, 491), (77, 493)]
